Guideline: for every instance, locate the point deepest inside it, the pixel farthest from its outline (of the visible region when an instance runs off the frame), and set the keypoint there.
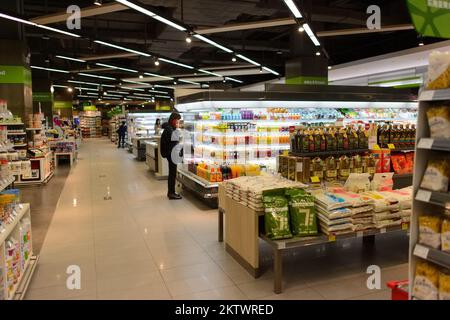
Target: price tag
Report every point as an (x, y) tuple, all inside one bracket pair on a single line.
[(315, 179), (360, 234), (426, 95), (421, 251), (299, 167), (423, 195), (383, 230), (425, 143), (405, 226), (376, 147), (282, 245), (391, 146), (286, 153), (332, 237)]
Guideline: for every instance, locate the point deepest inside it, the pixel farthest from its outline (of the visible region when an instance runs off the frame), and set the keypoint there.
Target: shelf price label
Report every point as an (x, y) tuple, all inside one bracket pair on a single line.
[(360, 234), (383, 230), (426, 95), (423, 195), (405, 226), (315, 179), (391, 146), (425, 143), (421, 251), (332, 238), (376, 147)]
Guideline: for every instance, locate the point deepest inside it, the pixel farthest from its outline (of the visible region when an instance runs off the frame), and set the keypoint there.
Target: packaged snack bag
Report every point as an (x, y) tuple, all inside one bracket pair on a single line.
[(426, 282), (436, 177), (444, 286), (439, 122), (430, 231), (445, 235), (276, 216), (439, 71), (302, 212)]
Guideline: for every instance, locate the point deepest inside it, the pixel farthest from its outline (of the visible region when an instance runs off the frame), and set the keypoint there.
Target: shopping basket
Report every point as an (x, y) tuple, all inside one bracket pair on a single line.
[(399, 289)]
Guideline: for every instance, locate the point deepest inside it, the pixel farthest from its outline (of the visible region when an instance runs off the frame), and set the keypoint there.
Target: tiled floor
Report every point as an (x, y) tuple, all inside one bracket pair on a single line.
[(139, 245)]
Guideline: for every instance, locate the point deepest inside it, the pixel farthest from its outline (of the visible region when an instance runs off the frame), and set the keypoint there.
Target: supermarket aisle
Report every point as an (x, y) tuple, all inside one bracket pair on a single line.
[(139, 245)]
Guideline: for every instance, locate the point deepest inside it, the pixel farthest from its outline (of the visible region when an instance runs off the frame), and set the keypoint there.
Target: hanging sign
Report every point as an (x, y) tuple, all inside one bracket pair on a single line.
[(431, 17)]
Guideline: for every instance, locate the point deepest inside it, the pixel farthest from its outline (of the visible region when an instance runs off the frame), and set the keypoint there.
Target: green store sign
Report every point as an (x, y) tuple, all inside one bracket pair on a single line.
[(15, 75), (62, 105), (42, 96), (307, 80), (431, 18)]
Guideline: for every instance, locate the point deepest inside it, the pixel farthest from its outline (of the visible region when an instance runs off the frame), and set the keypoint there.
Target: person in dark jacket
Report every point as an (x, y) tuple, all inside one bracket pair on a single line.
[(169, 140), (122, 131)]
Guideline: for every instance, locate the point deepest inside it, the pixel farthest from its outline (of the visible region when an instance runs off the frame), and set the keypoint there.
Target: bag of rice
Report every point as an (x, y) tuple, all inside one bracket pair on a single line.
[(430, 231), (426, 282), (276, 216), (302, 212)]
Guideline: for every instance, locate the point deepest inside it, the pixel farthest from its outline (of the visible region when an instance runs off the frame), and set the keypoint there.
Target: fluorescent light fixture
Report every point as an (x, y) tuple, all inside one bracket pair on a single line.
[(151, 14), (119, 92), (98, 2), (200, 37), (233, 79), (57, 30), (85, 96), (176, 63), (311, 34), (210, 73), (91, 83), (49, 69), (165, 97), (71, 59), (95, 76), (144, 95), (248, 59), (5, 16), (112, 95), (190, 82), (157, 75), (122, 48), (271, 71), (156, 91), (169, 23), (136, 82), (130, 88), (293, 8), (115, 67), (161, 86), (91, 93), (87, 89), (59, 86)]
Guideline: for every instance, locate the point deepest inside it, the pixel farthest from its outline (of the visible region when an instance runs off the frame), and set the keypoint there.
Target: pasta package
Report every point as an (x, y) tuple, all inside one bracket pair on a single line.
[(439, 71), (439, 122), (445, 235), (444, 286), (426, 282), (276, 217), (430, 231), (302, 213), (436, 177)]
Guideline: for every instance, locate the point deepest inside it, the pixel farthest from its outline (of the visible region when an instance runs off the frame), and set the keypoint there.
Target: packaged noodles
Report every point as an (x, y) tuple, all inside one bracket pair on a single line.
[(444, 286), (426, 282), (430, 231), (439, 122)]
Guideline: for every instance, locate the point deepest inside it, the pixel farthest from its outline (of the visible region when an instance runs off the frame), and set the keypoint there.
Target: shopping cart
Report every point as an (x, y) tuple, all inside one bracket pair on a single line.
[(399, 289)]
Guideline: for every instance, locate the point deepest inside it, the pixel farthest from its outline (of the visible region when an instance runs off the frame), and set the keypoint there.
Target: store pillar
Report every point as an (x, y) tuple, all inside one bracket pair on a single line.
[(43, 98), (304, 66), (15, 77), (63, 104)]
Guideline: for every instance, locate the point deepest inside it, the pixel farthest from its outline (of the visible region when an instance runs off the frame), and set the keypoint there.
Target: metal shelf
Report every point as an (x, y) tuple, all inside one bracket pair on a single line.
[(434, 144), (11, 124), (436, 198), (438, 257), (327, 153)]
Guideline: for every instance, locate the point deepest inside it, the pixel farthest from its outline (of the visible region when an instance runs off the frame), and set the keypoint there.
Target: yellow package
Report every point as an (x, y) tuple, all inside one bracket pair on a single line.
[(444, 286), (430, 231), (426, 281), (445, 235), (439, 122), (436, 177), (439, 71)]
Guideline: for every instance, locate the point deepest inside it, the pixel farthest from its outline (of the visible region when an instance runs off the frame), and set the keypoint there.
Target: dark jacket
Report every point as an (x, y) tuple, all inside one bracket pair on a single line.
[(167, 141), (122, 130)]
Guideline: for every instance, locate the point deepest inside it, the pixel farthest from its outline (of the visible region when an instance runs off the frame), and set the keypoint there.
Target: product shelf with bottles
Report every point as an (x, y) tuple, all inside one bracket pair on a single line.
[(429, 258), (91, 124), (253, 128)]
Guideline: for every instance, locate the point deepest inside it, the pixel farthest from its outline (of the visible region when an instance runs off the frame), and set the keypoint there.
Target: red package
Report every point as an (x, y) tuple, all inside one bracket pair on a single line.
[(399, 163)]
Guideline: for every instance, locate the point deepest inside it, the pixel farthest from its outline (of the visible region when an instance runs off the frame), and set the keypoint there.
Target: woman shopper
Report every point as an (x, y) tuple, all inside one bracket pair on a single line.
[(158, 126), (169, 140)]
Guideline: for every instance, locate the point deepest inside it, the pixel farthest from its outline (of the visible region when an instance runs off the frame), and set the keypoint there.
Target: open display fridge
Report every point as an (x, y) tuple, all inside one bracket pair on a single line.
[(229, 134)]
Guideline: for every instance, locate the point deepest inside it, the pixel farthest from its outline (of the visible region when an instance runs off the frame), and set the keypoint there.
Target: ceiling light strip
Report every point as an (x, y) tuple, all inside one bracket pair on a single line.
[(49, 69), (248, 59), (176, 63), (157, 75), (210, 73), (115, 67), (200, 37), (271, 71), (233, 79), (69, 58), (311, 34), (122, 48), (95, 76), (130, 88), (292, 6), (190, 82)]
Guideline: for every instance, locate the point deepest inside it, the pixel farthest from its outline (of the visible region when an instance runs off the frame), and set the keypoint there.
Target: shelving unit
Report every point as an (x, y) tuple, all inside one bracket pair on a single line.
[(91, 124), (425, 201), (12, 230)]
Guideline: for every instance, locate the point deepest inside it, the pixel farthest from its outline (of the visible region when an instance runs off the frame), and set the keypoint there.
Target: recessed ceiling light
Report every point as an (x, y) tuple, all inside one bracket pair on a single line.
[(318, 53), (188, 39), (98, 2), (156, 62), (234, 59), (141, 77), (301, 29)]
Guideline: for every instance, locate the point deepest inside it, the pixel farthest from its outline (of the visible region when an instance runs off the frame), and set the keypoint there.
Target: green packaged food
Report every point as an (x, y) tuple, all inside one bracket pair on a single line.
[(276, 217), (302, 213)]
